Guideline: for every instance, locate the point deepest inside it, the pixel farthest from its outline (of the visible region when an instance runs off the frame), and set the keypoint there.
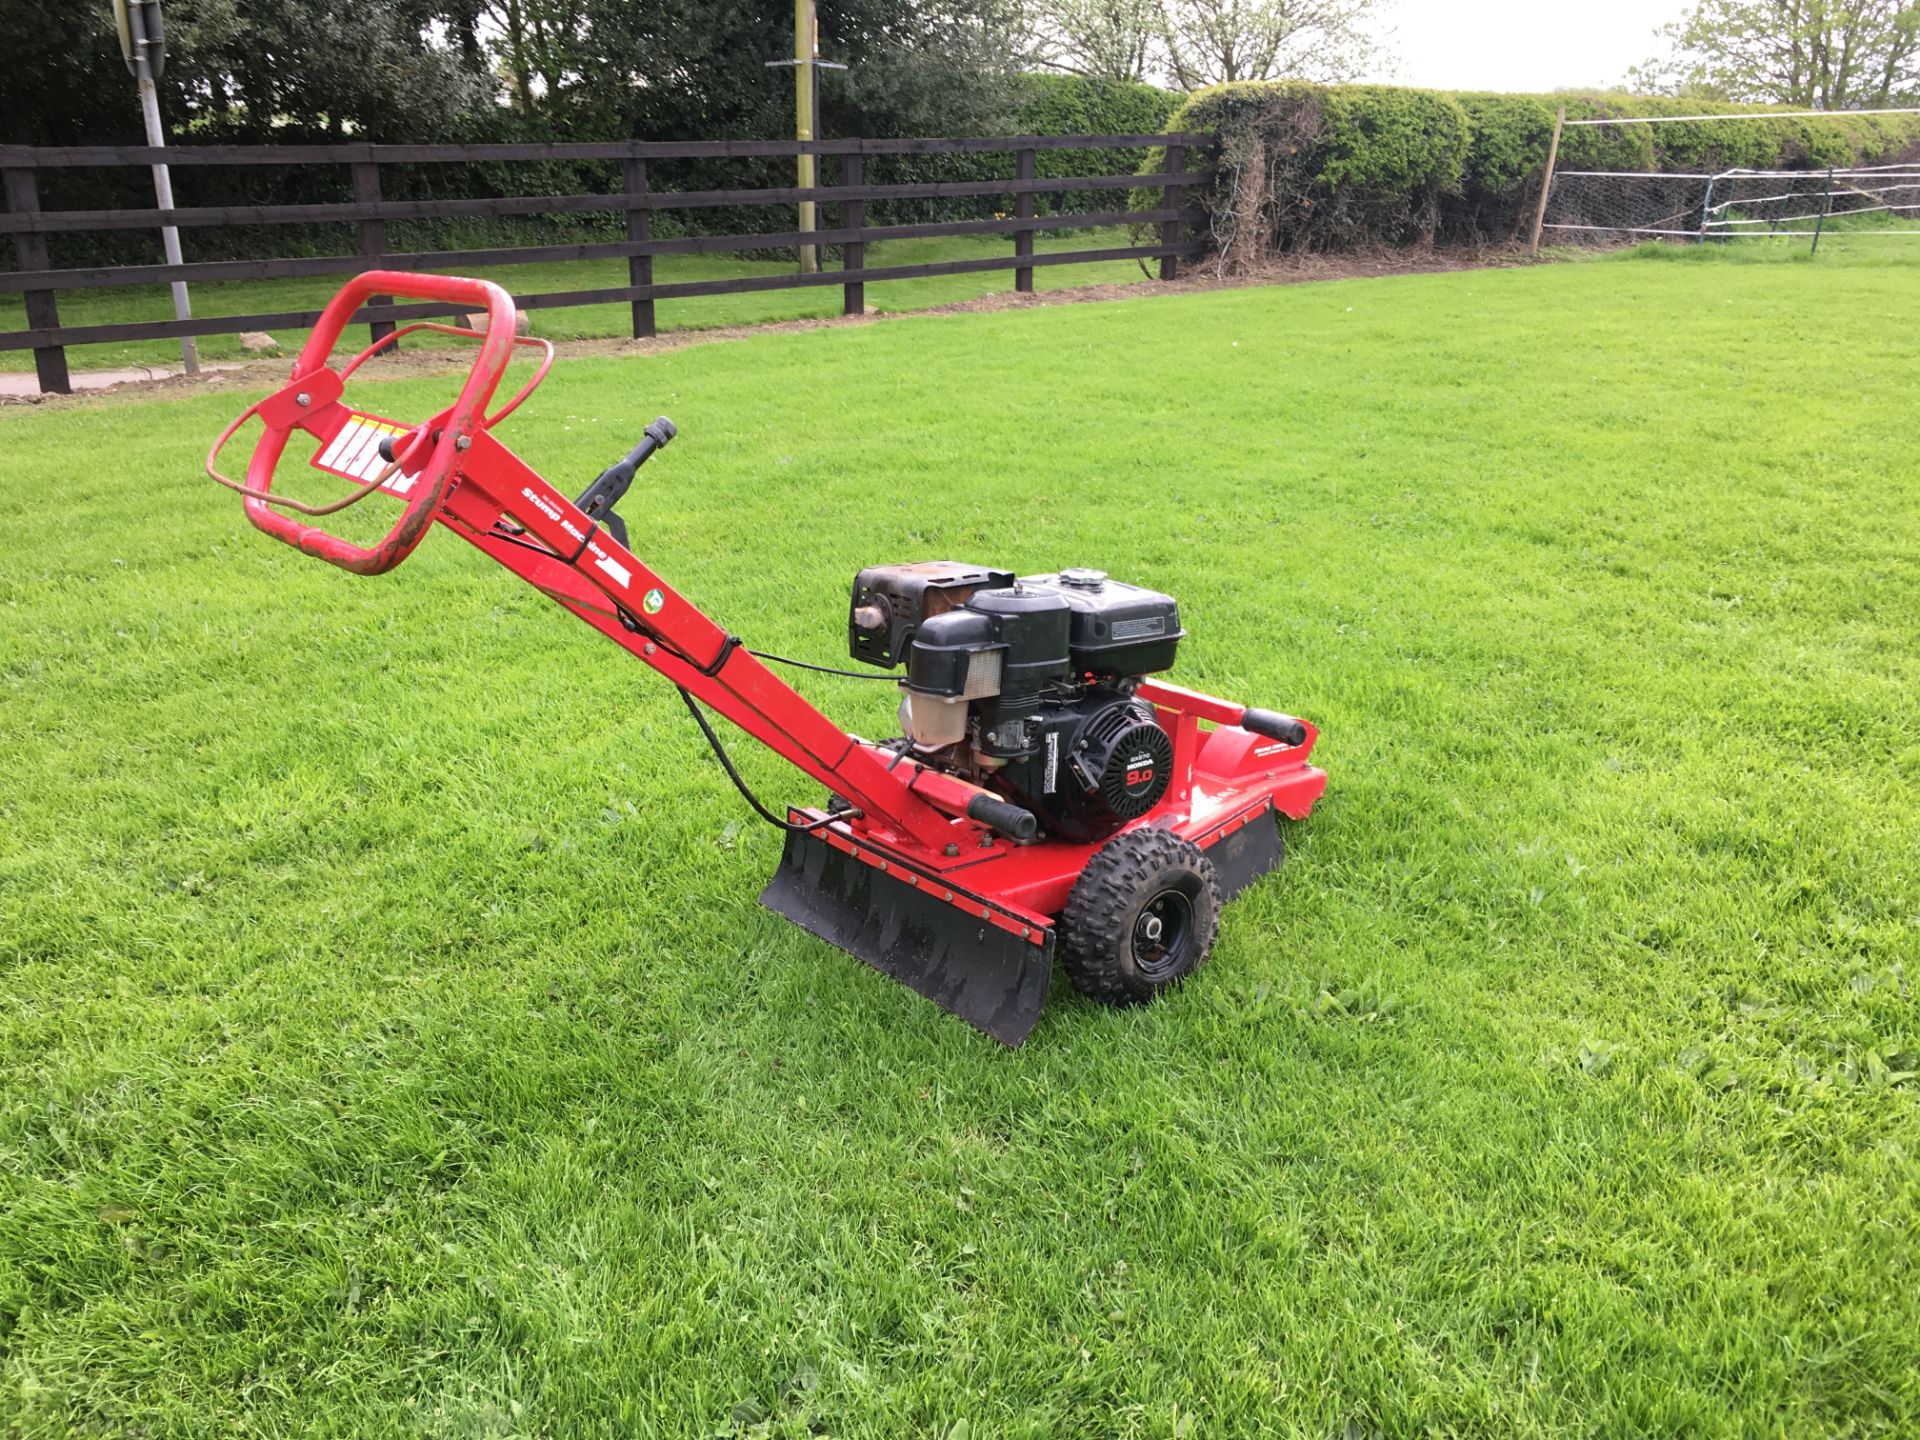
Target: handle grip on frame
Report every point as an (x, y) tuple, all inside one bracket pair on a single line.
[(314, 386), (1275, 726)]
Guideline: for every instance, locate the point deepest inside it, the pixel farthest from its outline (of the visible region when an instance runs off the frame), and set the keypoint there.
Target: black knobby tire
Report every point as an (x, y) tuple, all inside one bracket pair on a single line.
[(1141, 917)]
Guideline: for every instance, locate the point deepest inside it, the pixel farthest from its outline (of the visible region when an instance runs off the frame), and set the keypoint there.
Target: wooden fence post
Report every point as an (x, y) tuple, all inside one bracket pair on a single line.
[(853, 253), (639, 227), (1546, 183), (1826, 204), (43, 310), (1170, 200), (1023, 210), (373, 238)]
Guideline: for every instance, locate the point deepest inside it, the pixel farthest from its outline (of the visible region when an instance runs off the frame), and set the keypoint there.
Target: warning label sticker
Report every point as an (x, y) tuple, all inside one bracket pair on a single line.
[(355, 453)]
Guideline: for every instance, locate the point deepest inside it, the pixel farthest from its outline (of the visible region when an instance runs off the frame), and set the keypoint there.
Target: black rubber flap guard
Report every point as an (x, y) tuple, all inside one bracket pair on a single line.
[(1247, 854), (990, 978)]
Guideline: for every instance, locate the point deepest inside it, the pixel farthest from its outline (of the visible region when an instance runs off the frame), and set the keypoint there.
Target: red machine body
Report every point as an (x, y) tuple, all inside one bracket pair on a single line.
[(951, 883)]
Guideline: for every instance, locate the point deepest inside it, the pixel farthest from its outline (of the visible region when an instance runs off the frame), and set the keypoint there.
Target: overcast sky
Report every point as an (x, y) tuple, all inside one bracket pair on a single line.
[(1521, 44)]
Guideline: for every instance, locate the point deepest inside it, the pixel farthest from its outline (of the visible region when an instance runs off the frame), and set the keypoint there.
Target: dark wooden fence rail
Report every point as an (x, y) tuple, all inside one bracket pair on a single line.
[(39, 282)]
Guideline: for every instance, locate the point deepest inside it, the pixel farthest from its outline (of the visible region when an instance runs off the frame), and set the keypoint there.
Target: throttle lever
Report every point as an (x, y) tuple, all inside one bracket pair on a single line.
[(599, 498)]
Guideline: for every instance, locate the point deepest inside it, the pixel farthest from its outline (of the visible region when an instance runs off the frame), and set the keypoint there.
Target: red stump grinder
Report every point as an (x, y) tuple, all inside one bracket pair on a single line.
[(1048, 795)]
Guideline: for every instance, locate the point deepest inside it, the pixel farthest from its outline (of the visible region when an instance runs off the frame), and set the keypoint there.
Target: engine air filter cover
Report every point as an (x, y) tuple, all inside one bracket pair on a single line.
[(1114, 628)]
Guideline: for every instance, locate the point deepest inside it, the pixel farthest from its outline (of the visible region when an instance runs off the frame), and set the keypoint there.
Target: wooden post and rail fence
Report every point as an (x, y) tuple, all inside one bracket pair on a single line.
[(28, 225)]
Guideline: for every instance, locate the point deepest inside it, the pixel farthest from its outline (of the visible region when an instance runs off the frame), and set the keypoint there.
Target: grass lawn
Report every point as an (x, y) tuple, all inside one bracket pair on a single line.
[(248, 297), (392, 1044)]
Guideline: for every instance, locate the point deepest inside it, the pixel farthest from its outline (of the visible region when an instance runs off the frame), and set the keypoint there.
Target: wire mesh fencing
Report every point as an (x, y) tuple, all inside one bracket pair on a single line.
[(1624, 207), (1621, 207)]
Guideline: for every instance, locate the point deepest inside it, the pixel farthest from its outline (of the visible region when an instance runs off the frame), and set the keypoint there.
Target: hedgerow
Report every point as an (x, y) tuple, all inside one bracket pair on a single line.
[(1314, 167)]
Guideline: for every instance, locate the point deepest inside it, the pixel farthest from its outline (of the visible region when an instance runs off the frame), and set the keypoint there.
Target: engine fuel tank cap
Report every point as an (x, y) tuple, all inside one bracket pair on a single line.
[(1083, 579)]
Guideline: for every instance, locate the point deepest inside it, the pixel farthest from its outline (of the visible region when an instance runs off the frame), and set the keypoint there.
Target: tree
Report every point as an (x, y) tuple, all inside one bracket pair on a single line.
[(275, 69), (240, 69), (616, 68), (539, 47), (426, 70), (1209, 42), (66, 83), (1816, 54), (1099, 39)]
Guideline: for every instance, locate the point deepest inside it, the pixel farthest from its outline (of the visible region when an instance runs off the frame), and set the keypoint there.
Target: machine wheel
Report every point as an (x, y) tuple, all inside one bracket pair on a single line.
[(1141, 917)]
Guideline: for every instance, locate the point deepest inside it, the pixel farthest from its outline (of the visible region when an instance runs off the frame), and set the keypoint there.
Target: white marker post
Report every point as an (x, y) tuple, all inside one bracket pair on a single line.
[(143, 44)]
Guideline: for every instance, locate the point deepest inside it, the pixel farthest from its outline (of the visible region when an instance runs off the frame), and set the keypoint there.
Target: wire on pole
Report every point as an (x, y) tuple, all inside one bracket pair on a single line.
[(1744, 115)]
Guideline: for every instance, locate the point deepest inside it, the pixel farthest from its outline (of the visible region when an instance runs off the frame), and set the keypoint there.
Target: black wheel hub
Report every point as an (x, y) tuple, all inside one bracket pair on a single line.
[(1161, 934)]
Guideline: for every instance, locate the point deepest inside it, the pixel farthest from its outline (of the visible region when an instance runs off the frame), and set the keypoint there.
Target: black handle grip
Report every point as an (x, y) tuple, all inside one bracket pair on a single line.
[(1275, 726), (387, 444), (1010, 820), (599, 498), (653, 438)]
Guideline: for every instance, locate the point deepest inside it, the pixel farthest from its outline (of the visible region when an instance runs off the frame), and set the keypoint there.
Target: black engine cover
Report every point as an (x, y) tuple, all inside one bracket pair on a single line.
[(1046, 668), (1085, 767)]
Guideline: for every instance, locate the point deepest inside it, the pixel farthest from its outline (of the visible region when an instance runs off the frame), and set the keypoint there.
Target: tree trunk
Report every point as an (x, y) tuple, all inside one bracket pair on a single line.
[(517, 56)]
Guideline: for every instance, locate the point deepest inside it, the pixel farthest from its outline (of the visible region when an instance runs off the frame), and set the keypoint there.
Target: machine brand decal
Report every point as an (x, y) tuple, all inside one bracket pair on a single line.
[(355, 453), (540, 502), (622, 576), (1053, 761), (1265, 750), (652, 602)]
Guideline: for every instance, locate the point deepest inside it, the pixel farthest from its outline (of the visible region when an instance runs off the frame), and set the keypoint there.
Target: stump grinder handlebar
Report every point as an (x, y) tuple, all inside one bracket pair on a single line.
[(449, 468), (432, 452)]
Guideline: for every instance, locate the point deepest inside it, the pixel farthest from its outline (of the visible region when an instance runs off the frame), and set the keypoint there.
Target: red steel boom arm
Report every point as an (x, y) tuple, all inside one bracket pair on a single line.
[(590, 573)]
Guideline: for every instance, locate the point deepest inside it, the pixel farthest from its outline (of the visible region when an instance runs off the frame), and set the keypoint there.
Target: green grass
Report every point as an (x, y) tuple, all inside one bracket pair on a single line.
[(392, 1044), (1874, 239), (252, 297)]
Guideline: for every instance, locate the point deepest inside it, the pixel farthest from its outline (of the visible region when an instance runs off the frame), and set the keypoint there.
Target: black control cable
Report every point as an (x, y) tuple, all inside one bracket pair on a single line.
[(510, 534), (726, 764), (632, 622), (821, 669)]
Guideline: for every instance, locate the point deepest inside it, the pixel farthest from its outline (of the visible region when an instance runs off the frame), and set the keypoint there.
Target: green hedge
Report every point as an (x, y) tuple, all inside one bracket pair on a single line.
[(1331, 166), (1326, 165)]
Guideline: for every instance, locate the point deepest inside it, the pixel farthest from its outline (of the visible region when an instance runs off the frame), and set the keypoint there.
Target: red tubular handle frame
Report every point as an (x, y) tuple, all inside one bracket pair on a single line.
[(455, 428)]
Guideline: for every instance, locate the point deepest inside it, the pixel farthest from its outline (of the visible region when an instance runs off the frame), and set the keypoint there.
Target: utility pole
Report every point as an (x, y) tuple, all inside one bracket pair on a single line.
[(807, 65), (806, 31), (144, 46)]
